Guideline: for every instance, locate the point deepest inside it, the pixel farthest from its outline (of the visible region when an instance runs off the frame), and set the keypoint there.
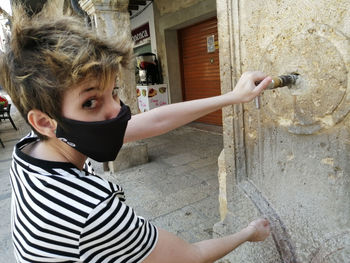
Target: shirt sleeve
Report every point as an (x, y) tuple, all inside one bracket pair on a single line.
[(114, 233)]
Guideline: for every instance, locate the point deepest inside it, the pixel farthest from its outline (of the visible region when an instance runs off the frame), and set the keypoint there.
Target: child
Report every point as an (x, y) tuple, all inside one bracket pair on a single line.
[(61, 77)]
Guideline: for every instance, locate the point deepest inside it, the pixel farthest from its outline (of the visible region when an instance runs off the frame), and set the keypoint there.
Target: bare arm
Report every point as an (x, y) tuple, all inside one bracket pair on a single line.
[(171, 249), (163, 119)]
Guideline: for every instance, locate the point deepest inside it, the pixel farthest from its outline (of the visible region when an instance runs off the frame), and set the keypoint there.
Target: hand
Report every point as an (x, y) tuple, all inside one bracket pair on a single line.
[(259, 230), (246, 90)]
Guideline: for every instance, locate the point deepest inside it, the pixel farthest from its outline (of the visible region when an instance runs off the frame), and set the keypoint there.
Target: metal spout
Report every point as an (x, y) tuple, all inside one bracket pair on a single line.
[(278, 82), (282, 81)]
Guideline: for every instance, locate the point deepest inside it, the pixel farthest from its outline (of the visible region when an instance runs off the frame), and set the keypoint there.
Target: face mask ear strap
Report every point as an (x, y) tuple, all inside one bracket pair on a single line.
[(61, 125)]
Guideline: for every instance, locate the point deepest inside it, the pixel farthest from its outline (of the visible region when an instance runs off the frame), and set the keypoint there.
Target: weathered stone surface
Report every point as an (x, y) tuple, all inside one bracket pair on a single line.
[(171, 6), (222, 175), (289, 160)]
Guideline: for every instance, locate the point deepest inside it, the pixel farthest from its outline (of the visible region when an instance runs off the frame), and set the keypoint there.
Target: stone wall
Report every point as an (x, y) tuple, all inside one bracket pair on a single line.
[(171, 6), (289, 159)]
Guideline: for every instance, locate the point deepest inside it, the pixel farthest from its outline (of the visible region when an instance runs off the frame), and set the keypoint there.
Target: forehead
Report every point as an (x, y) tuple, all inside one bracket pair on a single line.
[(99, 83)]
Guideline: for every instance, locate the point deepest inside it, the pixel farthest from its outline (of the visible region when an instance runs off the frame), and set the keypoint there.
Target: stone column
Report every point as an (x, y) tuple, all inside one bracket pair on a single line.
[(289, 160), (111, 19)]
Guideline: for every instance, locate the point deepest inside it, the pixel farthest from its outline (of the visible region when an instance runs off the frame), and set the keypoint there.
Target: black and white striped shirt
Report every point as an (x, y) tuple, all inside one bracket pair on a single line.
[(62, 214)]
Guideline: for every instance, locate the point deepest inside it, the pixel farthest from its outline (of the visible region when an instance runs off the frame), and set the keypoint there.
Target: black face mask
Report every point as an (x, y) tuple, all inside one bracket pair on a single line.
[(100, 140)]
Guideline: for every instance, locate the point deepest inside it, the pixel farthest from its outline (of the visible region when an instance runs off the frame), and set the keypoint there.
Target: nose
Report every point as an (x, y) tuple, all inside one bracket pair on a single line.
[(112, 109)]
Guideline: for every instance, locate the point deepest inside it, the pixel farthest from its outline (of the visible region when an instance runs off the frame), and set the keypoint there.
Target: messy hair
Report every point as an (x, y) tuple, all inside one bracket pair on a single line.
[(49, 52)]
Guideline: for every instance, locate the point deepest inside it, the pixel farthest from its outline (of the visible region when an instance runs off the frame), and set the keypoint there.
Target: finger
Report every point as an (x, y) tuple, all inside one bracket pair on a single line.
[(258, 76), (266, 222), (263, 84)]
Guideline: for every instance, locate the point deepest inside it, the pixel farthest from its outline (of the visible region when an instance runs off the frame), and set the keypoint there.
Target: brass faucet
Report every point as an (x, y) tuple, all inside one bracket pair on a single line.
[(278, 82), (283, 80)]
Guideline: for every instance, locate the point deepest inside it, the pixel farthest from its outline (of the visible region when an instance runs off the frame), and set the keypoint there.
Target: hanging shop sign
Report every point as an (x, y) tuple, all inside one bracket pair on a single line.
[(140, 34)]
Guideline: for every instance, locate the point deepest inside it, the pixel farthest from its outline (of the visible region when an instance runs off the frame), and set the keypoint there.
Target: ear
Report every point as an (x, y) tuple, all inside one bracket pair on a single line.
[(42, 123)]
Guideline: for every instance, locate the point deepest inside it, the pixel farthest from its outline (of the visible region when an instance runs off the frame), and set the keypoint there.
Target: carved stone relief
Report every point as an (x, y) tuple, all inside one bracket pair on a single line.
[(321, 55), (334, 250)]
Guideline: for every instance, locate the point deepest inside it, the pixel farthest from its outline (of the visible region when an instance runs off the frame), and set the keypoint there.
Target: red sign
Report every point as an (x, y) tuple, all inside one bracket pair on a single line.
[(140, 33)]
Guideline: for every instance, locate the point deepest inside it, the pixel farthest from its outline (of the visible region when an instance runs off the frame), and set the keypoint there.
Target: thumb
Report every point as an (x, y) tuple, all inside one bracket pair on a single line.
[(263, 84)]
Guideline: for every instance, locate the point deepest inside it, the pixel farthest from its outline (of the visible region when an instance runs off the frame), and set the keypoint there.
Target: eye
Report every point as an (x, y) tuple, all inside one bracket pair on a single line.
[(90, 104)]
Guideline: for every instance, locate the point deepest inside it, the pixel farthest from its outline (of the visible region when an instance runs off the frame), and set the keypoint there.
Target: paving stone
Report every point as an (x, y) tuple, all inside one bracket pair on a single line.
[(6, 249), (179, 170), (209, 208), (182, 147), (202, 231), (181, 159), (5, 185), (205, 162), (207, 172), (213, 183), (6, 152), (162, 205), (181, 220), (169, 185)]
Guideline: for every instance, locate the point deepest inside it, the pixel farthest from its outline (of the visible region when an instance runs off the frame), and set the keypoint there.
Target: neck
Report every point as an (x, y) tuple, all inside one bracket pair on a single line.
[(55, 150)]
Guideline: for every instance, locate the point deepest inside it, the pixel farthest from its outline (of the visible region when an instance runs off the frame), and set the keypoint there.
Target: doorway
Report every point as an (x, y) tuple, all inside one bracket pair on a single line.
[(200, 68)]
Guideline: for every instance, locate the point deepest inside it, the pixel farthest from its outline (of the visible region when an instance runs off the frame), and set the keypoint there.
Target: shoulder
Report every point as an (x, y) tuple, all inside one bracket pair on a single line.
[(60, 177)]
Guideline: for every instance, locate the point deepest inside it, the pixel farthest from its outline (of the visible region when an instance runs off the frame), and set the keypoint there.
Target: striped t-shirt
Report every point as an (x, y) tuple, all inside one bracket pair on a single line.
[(63, 214)]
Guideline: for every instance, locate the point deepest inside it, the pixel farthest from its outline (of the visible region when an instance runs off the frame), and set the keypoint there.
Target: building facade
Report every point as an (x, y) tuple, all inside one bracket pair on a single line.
[(4, 29), (287, 159)]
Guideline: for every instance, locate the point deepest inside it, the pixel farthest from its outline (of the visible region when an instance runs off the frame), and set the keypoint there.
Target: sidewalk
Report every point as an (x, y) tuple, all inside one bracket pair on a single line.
[(9, 137), (177, 189)]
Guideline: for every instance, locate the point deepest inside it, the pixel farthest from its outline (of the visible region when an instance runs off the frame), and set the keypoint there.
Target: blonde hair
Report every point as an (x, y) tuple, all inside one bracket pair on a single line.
[(50, 52)]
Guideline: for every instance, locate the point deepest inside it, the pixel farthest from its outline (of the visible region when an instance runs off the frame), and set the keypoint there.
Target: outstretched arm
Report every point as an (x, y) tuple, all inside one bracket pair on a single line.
[(163, 119), (171, 249)]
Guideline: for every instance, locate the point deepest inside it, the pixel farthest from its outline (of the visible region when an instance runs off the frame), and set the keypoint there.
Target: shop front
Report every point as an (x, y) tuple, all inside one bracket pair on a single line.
[(150, 89)]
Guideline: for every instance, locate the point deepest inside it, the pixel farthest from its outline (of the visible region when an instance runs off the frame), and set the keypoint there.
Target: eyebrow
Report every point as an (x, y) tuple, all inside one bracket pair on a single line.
[(84, 91)]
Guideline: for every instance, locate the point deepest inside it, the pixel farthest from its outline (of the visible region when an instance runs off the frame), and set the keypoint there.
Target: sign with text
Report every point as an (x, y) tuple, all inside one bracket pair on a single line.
[(151, 96), (141, 33)]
